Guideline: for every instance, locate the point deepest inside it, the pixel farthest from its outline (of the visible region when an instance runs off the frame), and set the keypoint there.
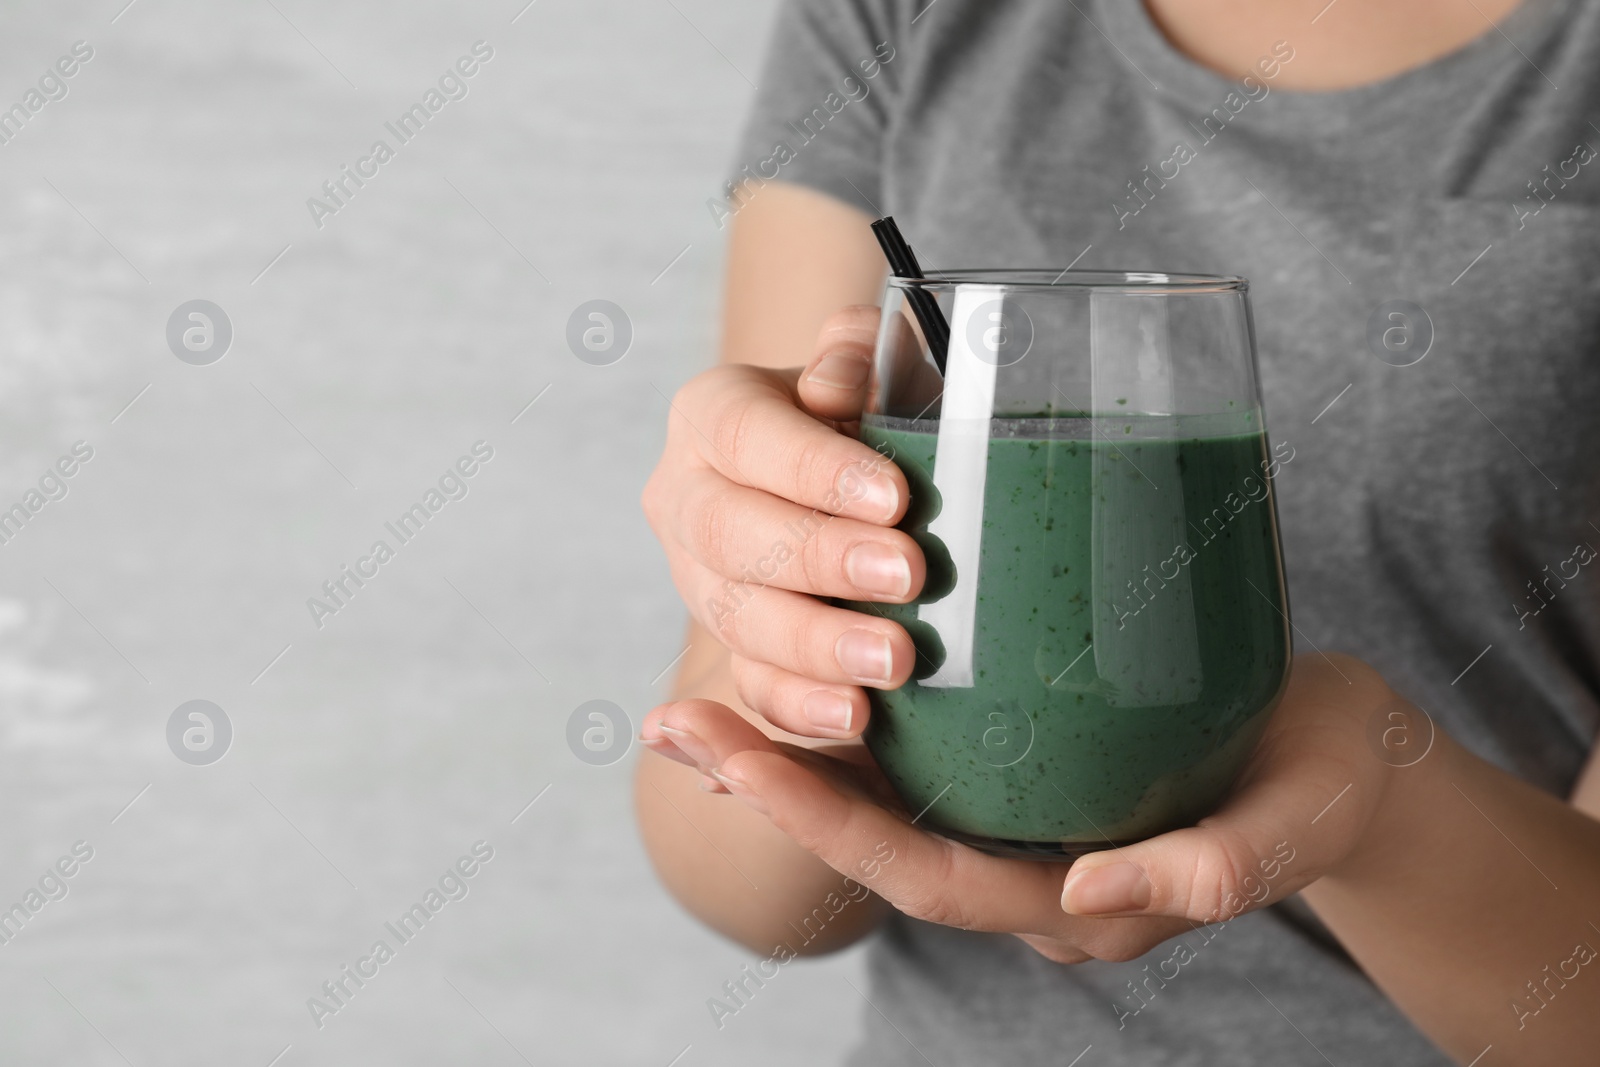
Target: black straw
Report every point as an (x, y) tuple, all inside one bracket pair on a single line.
[(903, 264)]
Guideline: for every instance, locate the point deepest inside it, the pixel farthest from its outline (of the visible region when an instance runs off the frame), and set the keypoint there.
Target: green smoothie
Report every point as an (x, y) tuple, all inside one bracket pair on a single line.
[(1099, 650)]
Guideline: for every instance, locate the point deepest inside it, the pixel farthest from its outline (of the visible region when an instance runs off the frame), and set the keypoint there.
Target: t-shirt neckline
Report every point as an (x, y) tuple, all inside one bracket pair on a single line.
[(1159, 66)]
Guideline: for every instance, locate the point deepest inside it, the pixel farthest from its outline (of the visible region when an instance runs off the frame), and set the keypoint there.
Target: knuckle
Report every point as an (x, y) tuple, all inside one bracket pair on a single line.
[(731, 428), (726, 619), (647, 500), (803, 645), (752, 683), (650, 499), (821, 563), (932, 901), (693, 393), (686, 397), (809, 466), (720, 609), (1221, 877), (713, 528), (936, 906)]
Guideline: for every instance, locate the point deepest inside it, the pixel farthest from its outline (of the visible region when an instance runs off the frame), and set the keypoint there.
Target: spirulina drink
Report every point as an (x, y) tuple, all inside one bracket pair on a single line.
[(1098, 669)]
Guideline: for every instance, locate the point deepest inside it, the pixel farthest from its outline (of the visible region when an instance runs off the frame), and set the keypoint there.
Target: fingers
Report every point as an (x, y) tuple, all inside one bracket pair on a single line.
[(800, 705), (798, 633), (831, 808), (685, 748), (834, 383), (664, 733), (838, 384), (921, 874), (662, 745), (925, 876), (1199, 874), (757, 537), (744, 423)]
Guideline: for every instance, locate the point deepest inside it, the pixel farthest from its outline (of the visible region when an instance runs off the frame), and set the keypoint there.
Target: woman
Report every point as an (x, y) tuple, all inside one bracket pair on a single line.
[(1409, 188)]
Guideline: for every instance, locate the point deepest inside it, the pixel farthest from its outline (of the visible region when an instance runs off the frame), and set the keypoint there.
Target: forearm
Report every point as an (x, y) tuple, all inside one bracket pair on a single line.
[(727, 864), (1473, 886)]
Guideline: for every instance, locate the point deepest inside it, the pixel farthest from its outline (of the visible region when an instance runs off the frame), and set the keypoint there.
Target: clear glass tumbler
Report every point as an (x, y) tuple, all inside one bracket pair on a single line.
[(1104, 629)]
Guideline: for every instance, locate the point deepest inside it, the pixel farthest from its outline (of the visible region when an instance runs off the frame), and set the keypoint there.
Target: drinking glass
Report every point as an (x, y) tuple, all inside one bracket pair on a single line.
[(1104, 630)]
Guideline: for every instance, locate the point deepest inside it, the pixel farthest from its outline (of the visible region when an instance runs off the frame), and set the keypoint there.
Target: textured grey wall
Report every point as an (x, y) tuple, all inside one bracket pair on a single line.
[(370, 753)]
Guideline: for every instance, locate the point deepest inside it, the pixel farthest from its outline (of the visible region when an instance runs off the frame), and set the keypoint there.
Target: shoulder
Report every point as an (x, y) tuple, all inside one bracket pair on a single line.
[(837, 28)]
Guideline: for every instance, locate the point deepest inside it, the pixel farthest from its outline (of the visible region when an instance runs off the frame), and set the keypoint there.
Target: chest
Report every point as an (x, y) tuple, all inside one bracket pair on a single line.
[(1428, 345)]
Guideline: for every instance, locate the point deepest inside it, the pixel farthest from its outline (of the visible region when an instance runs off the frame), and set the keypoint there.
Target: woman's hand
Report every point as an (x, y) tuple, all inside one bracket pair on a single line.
[(1301, 809), (763, 505), (764, 502)]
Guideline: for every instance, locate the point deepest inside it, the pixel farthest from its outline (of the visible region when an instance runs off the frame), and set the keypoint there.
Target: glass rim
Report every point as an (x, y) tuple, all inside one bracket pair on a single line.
[(1051, 279)]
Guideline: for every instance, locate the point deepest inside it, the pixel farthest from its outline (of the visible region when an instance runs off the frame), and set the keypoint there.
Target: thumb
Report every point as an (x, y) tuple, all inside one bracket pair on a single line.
[(1282, 831), (1204, 874), (834, 384), (1302, 808)]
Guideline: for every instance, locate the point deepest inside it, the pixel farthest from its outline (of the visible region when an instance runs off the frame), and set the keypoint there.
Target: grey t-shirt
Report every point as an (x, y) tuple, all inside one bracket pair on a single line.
[(1433, 513)]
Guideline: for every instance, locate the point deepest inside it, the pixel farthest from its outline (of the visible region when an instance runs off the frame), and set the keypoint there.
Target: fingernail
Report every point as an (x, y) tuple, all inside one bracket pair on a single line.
[(865, 656), (877, 494), (691, 745), (742, 790), (1101, 890), (709, 784), (663, 746), (840, 371), (878, 569), (828, 710)]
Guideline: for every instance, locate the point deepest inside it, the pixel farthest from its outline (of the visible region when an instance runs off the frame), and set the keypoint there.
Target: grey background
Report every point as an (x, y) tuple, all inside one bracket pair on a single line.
[(421, 718)]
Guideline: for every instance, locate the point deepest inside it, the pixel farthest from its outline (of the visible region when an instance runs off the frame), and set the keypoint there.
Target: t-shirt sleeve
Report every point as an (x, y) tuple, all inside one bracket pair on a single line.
[(827, 88)]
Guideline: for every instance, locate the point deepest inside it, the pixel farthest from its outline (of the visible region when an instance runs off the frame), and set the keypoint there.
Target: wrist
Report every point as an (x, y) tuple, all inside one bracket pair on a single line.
[(1409, 769)]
